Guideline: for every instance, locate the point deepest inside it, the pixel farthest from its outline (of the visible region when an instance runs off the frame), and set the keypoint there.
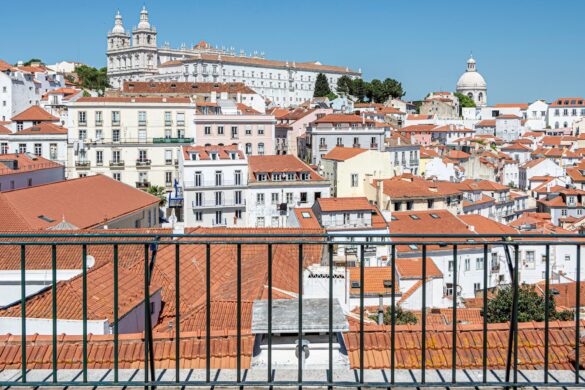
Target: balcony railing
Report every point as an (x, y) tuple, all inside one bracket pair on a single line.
[(142, 184), (143, 163), (213, 183), (85, 164), (116, 163), (231, 342), (322, 147), (172, 140), (212, 203)]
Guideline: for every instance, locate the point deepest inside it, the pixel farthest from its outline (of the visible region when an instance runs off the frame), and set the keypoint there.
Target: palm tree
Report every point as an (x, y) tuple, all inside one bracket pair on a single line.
[(160, 192)]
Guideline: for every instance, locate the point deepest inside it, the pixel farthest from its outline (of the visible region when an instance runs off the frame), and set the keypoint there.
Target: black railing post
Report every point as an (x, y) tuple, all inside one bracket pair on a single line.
[(546, 310), (146, 317), (300, 320), (177, 312), (485, 310), (207, 312), (454, 339), (577, 317), (393, 315), (239, 312), (423, 315), (23, 310), (54, 307), (362, 279), (84, 310), (269, 313), (116, 314), (330, 265)]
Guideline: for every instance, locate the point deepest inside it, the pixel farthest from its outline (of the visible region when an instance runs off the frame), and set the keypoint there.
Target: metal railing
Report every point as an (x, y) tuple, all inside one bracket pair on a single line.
[(390, 376)]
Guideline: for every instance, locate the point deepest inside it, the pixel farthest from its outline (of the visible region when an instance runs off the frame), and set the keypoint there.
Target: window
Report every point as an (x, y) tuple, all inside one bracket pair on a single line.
[(19, 126), (274, 197), (219, 217), (354, 179), (304, 197), (117, 176), (38, 149), (234, 132), (238, 214), (98, 134), (567, 258), (199, 199), (260, 199), (99, 157), (99, 119), (116, 135), (530, 259), (168, 120), (248, 130), (82, 134), (116, 156), (238, 197), (82, 117), (21, 148), (260, 222), (218, 198), (248, 149), (142, 135), (168, 157), (220, 130), (289, 197), (430, 203), (479, 263), (4, 148), (115, 118), (207, 130), (180, 119), (476, 286), (261, 149), (142, 156), (169, 178), (198, 177), (238, 177), (198, 216), (260, 130), (142, 118), (218, 178)]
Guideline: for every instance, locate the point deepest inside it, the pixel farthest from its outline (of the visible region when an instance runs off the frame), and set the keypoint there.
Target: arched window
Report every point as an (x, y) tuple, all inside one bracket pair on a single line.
[(248, 149), (480, 97), (470, 95), (565, 125), (148, 39)]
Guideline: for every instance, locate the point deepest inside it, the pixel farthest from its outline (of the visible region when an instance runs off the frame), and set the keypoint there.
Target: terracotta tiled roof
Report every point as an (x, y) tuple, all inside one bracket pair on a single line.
[(483, 185), (131, 351), (374, 278), (522, 106), (246, 110), (5, 130), (418, 117), (411, 268), (344, 204), (4, 66), (25, 162), (457, 155), (417, 128), (438, 317), (508, 116), (306, 218), (340, 153), (159, 100), (486, 123), (517, 147), (343, 118), (279, 163), (183, 88), (469, 346), (43, 128), (568, 101), (204, 151), (484, 200), (85, 202), (409, 186), (533, 163), (484, 225), (34, 113)]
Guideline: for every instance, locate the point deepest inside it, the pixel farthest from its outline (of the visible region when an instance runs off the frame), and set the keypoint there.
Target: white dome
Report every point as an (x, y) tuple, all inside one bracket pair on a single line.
[(118, 27), (471, 80), (144, 24)]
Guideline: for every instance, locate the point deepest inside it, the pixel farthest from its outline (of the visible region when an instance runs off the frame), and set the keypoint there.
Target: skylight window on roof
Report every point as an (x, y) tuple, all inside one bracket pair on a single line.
[(415, 217), (45, 218), (355, 284), (306, 214), (413, 246), (393, 218), (434, 216)]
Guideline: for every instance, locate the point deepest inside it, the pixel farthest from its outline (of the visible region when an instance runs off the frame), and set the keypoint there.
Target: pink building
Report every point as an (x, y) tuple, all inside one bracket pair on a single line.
[(292, 124), (226, 122)]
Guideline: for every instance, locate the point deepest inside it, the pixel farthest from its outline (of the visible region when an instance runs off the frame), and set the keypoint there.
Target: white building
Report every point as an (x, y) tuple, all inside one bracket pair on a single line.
[(214, 180), (472, 84), (139, 58), (564, 111), (538, 167), (23, 86), (134, 140), (23, 170), (277, 184), (536, 115), (352, 131)]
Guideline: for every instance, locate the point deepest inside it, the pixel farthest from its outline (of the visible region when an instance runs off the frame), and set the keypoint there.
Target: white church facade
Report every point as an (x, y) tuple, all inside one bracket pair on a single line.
[(472, 84), (136, 56)]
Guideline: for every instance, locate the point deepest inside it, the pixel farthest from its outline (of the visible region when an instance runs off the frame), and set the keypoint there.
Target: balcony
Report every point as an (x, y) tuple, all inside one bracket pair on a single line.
[(322, 147), (220, 223), (212, 183), (143, 163), (116, 164), (212, 204), (373, 146), (142, 184), (254, 344), (85, 164), (356, 145), (165, 140)]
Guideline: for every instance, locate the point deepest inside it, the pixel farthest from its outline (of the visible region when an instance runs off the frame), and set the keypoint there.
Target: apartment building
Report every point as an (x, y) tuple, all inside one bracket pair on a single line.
[(134, 140), (226, 122), (276, 185), (292, 124), (214, 181), (342, 130), (21, 170), (564, 111)]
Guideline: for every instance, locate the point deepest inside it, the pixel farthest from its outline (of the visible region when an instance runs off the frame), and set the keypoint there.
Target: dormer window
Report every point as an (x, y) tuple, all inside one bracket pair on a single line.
[(261, 176), (233, 156), (290, 176), (277, 176), (194, 156), (213, 155), (305, 175)]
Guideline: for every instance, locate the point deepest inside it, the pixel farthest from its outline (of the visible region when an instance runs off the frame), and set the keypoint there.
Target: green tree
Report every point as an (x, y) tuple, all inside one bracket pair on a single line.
[(358, 89), (531, 306), (403, 317), (92, 78), (344, 85), (464, 100), (321, 86), (392, 88), (27, 63), (160, 192)]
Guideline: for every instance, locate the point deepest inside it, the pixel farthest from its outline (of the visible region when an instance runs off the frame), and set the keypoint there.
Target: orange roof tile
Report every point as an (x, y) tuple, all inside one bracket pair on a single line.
[(279, 163), (43, 128), (343, 118), (34, 113), (306, 218), (374, 280), (340, 153), (183, 88), (411, 268)]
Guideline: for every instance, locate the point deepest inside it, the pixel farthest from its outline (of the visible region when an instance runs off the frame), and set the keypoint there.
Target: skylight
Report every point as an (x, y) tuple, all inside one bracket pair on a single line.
[(434, 216), (306, 214), (45, 218), (413, 246), (415, 217)]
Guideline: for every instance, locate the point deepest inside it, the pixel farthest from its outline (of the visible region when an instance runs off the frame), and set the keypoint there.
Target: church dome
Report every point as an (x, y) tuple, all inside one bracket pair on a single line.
[(144, 23), (118, 27), (471, 79)]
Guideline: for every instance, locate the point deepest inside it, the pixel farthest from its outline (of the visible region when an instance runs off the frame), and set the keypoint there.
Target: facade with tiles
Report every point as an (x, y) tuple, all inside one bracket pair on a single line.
[(139, 58), (134, 140)]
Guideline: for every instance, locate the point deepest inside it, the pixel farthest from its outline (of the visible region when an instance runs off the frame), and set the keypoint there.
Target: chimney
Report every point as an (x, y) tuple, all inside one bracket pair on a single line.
[(213, 96), (380, 193), (381, 311), (20, 63)]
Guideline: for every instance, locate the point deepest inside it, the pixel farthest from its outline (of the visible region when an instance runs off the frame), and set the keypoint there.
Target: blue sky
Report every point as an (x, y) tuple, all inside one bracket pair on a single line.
[(525, 49)]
